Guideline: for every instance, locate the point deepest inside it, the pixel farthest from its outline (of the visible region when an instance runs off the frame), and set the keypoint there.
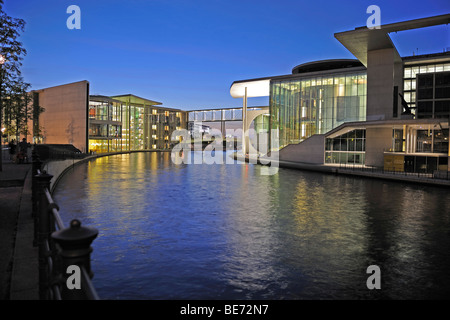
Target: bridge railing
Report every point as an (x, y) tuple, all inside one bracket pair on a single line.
[(64, 252)]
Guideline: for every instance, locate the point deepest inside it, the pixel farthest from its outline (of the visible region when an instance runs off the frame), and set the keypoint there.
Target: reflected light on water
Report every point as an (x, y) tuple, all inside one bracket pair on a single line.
[(228, 232)]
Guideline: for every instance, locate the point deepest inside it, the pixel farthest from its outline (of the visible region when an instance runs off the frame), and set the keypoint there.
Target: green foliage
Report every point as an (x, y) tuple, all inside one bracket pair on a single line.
[(14, 98)]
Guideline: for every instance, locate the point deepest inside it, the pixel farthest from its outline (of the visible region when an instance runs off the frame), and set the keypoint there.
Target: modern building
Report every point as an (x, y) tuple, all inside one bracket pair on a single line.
[(379, 109), (101, 124)]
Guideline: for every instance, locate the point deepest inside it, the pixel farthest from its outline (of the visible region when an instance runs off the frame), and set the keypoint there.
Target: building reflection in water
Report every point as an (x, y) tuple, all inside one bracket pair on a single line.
[(228, 232)]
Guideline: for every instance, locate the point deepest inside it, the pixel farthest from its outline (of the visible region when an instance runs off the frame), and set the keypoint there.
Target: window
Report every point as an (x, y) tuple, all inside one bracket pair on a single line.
[(306, 106), (398, 143), (348, 148), (433, 95), (98, 130)]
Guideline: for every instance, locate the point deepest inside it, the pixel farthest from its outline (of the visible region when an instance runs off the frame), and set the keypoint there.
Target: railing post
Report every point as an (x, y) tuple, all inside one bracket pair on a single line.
[(75, 243), (42, 183)]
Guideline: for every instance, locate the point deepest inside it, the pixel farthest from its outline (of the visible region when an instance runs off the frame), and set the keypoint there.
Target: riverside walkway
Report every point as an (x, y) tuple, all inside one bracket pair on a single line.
[(357, 171), (18, 257)]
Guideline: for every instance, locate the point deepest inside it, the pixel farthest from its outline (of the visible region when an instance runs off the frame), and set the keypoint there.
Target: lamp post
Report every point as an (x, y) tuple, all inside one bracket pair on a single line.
[(2, 62)]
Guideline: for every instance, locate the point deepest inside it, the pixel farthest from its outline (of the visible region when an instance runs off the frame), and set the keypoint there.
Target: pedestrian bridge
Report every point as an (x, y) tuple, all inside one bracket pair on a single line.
[(225, 118)]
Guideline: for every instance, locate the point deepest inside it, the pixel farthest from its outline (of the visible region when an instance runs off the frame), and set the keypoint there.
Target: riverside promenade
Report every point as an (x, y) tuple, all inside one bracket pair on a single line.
[(18, 257), (361, 171)]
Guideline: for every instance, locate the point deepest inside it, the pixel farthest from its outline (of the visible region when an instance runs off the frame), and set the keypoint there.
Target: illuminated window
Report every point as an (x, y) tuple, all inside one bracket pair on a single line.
[(154, 146), (154, 136), (166, 113), (166, 128), (154, 111), (154, 126)]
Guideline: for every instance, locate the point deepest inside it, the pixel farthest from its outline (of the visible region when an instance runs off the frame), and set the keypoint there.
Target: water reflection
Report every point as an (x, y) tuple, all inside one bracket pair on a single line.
[(227, 232)]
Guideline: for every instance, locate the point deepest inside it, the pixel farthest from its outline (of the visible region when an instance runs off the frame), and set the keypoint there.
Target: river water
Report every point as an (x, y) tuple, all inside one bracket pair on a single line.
[(227, 231)]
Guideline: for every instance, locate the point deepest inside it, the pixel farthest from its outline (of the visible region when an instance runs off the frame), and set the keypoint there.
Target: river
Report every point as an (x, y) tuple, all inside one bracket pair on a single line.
[(226, 231)]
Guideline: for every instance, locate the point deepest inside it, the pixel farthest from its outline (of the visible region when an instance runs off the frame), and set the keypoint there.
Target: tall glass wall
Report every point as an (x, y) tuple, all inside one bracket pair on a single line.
[(133, 127), (105, 125), (303, 107)]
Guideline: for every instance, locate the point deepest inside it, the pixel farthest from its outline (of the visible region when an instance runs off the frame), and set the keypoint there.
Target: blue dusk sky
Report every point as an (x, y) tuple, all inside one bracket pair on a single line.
[(187, 53)]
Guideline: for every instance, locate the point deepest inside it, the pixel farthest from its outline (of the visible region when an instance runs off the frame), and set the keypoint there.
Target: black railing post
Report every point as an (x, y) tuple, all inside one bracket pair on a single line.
[(75, 243), (42, 183)]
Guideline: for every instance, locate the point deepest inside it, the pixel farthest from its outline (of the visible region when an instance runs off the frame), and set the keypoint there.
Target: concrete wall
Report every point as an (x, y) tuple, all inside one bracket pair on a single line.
[(64, 120), (57, 167), (310, 150), (377, 141), (384, 71)]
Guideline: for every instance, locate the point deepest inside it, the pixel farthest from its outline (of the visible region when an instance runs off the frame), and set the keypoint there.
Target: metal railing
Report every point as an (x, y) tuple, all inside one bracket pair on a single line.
[(436, 174), (59, 247)]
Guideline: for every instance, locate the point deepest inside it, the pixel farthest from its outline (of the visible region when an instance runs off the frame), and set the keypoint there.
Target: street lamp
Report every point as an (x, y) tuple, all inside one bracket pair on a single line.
[(2, 62)]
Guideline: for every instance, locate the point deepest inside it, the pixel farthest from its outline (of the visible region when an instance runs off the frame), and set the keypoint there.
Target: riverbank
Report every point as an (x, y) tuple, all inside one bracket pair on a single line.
[(359, 171)]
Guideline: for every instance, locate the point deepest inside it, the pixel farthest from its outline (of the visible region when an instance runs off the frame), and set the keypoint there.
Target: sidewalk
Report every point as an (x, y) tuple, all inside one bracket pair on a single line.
[(18, 257)]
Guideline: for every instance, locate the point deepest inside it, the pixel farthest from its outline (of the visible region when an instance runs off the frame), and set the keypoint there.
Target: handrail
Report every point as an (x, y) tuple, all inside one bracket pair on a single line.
[(54, 210), (59, 247), (91, 293), (435, 175)]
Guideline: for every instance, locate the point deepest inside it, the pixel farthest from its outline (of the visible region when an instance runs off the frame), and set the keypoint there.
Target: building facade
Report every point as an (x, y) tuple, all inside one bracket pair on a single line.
[(314, 101), (102, 124), (379, 110)]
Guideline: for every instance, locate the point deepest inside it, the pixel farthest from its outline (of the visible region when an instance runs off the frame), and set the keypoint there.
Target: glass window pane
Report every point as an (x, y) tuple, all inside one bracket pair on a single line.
[(407, 73), (439, 68), (407, 96), (407, 85)]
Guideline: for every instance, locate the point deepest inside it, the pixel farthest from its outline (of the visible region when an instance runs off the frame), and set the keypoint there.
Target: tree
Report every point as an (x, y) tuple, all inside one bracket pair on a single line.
[(12, 52), (36, 111), (16, 108)]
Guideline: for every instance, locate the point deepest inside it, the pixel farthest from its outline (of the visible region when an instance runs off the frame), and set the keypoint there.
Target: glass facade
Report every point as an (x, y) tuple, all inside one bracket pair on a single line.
[(348, 148), (306, 106), (127, 123), (432, 141), (105, 124), (433, 95), (410, 86)]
